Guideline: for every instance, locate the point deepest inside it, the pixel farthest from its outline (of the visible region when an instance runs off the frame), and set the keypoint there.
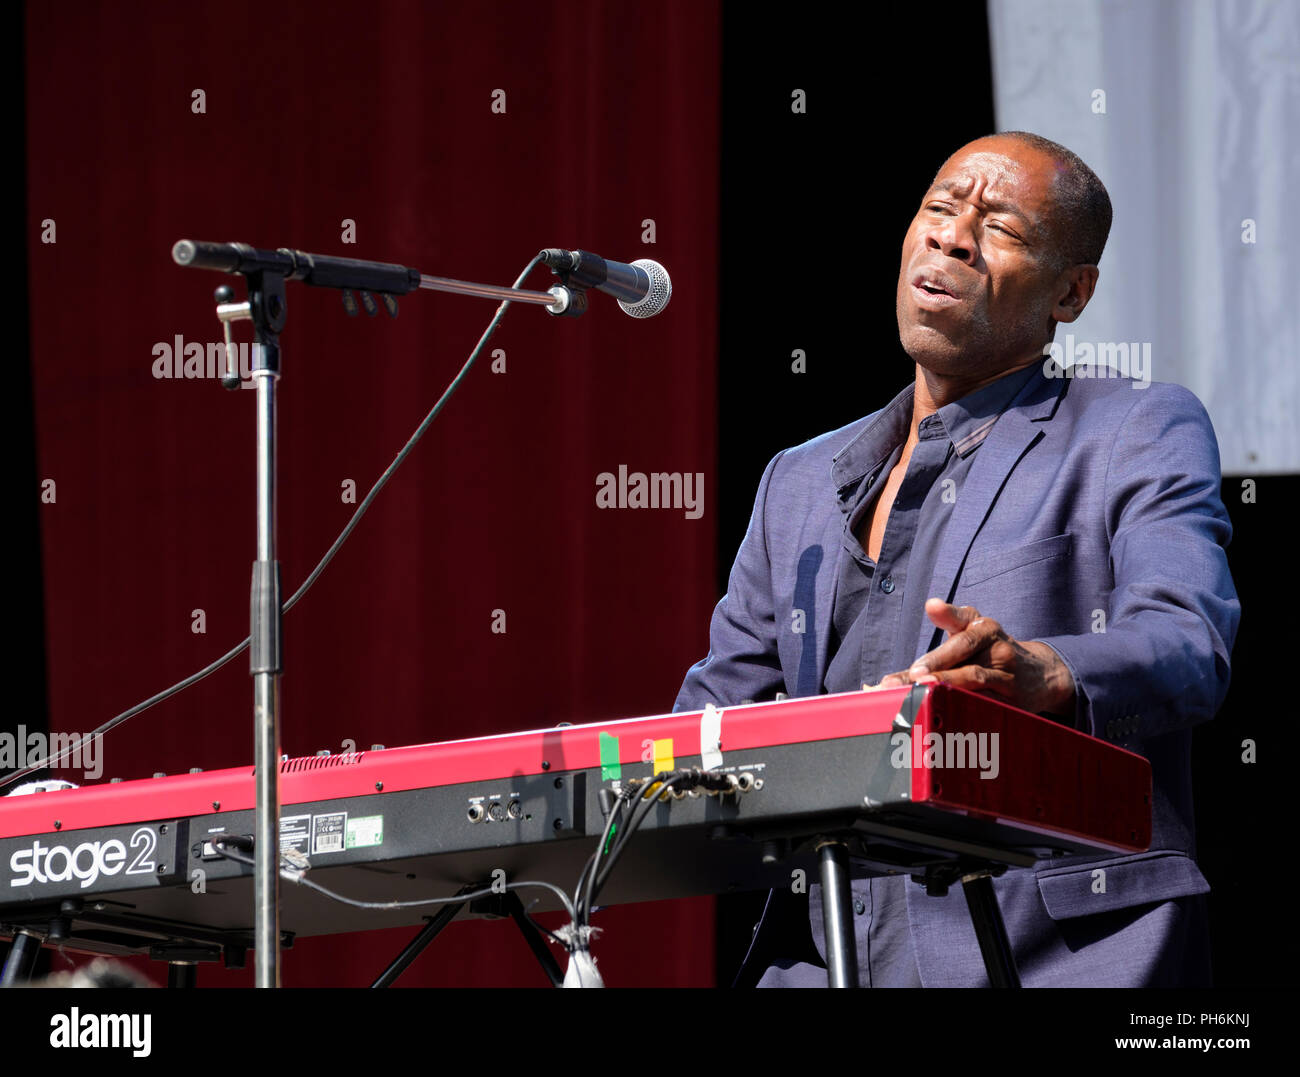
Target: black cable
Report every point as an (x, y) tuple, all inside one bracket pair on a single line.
[(296, 876), (616, 811), (583, 893), (472, 895), (207, 670), (642, 812), (587, 885), (639, 815), (547, 931), (619, 805)]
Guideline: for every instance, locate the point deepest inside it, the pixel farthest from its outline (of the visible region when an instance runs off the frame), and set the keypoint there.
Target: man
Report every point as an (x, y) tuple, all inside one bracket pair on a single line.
[(1067, 535)]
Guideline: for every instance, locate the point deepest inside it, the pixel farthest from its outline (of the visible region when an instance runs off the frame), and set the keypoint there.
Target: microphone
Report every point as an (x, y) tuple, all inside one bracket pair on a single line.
[(642, 288)]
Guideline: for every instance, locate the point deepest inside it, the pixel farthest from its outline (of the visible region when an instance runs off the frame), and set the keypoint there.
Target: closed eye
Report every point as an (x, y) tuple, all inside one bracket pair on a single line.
[(1004, 230)]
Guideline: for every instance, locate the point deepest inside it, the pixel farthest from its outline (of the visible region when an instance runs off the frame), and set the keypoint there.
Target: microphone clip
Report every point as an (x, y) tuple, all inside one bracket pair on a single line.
[(570, 293)]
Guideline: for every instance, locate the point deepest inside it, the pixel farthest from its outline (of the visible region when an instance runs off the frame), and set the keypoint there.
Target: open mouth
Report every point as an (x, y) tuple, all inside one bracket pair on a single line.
[(933, 295), (933, 289)]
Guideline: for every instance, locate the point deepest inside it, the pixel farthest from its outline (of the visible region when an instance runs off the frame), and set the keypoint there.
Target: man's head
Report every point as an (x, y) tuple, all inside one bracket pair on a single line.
[(1005, 245)]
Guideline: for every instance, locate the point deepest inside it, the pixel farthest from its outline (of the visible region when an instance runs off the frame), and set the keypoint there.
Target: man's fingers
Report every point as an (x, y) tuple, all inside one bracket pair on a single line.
[(959, 647), (949, 617), (978, 679)]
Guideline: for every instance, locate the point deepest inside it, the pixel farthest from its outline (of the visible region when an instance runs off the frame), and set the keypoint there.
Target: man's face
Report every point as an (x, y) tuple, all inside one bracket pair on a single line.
[(980, 275)]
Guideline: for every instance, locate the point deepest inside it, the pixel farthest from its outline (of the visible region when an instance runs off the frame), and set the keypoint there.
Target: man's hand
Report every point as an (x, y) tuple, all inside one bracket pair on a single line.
[(980, 656)]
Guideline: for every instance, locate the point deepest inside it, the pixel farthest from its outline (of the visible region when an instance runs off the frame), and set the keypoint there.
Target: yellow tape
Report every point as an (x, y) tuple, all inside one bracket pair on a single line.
[(663, 754)]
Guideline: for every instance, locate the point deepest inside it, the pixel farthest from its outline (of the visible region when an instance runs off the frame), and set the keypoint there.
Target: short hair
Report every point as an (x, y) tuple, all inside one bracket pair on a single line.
[(1083, 211)]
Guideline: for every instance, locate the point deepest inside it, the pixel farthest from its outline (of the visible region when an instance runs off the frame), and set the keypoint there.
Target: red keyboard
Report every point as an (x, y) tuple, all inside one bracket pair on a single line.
[(905, 777)]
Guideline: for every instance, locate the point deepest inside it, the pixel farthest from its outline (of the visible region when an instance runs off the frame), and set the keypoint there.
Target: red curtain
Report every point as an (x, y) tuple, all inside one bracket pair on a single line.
[(277, 125)]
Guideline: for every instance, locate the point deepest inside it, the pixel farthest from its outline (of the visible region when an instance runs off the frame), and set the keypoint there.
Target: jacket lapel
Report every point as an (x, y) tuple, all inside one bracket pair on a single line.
[(1016, 432)]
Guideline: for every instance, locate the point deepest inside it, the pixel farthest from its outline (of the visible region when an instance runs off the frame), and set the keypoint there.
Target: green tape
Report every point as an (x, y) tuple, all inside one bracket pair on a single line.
[(612, 831), (611, 770)]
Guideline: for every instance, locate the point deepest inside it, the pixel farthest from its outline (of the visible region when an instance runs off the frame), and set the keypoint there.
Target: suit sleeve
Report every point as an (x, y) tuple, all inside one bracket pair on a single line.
[(1161, 660), (742, 663)]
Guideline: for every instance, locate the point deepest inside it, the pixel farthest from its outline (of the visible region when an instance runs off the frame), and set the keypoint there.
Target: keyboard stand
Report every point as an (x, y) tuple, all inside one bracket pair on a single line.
[(977, 885), (497, 905)]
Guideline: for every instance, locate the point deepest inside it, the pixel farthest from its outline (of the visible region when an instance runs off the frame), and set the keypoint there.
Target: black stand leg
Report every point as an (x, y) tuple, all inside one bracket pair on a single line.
[(990, 931), (21, 959), (533, 937), (182, 973), (507, 904), (841, 946), (427, 934)]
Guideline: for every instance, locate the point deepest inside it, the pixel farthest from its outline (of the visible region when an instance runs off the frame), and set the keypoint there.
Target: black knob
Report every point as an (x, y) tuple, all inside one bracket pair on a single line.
[(224, 294)]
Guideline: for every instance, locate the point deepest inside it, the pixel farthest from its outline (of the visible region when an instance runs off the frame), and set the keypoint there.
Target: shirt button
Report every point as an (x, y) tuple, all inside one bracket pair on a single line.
[(859, 906), (887, 585)]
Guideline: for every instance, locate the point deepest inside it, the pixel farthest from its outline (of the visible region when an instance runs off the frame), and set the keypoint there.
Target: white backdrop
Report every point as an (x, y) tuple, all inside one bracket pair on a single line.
[(1189, 111)]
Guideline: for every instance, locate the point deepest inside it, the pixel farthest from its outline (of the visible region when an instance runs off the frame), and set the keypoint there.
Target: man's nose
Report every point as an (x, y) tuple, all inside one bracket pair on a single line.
[(954, 237)]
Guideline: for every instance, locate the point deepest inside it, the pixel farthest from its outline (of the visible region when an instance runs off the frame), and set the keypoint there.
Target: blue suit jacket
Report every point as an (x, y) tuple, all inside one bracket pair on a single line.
[(1091, 520)]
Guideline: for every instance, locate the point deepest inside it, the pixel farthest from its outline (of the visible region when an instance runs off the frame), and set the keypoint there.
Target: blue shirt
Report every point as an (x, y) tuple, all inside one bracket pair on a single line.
[(879, 606)]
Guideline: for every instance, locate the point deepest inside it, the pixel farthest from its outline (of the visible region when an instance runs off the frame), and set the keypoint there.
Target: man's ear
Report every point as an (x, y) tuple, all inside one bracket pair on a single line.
[(1074, 289)]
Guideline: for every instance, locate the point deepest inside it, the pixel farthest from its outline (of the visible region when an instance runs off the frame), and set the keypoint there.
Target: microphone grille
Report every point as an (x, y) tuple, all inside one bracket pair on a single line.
[(661, 290)]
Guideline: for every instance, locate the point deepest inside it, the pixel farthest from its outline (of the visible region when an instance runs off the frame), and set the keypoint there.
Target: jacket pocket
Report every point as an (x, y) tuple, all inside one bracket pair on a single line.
[(991, 563), (1107, 885)]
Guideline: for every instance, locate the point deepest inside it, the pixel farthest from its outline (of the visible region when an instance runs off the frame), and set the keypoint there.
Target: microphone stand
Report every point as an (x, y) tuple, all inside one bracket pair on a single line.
[(267, 304), (266, 273)]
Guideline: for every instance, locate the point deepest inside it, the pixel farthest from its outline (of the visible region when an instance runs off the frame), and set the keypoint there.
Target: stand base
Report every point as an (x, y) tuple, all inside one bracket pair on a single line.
[(977, 885), (499, 905)]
